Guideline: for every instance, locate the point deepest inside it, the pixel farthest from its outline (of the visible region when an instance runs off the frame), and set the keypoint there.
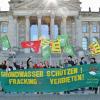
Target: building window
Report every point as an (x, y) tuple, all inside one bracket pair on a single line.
[(34, 32), (84, 43), (4, 28), (85, 28), (45, 31), (94, 28)]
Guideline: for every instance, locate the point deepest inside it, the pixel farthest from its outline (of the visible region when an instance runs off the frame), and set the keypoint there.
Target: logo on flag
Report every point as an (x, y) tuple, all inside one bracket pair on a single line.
[(32, 44)]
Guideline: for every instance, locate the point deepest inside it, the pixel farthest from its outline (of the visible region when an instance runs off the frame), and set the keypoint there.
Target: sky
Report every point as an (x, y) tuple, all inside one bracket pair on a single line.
[(94, 4)]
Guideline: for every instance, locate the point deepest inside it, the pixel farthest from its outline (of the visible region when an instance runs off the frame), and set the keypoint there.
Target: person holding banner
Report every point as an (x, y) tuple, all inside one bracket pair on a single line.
[(3, 65), (13, 68), (65, 63), (46, 64), (93, 61), (35, 65), (96, 74), (83, 61), (40, 65), (16, 65), (76, 62), (29, 62), (70, 61), (8, 67)]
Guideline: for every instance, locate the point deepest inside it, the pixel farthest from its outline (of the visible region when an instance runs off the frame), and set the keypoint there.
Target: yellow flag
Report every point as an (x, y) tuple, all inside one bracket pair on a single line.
[(45, 42), (56, 48), (94, 48)]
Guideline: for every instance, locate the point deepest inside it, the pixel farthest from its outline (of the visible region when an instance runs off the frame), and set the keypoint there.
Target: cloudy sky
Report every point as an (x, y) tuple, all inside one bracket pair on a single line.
[(94, 4)]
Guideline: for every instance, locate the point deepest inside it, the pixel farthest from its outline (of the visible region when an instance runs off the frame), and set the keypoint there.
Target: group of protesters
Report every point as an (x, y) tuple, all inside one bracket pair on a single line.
[(68, 61)]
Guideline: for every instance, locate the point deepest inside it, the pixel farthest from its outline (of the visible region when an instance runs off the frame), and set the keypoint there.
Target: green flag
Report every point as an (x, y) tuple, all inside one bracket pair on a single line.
[(63, 39), (69, 50), (46, 52), (5, 42)]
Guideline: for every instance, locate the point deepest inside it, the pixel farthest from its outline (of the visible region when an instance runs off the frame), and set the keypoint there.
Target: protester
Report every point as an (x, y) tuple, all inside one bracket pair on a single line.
[(83, 61), (65, 63), (28, 61), (16, 65), (35, 65), (70, 61), (8, 67), (21, 65), (13, 68), (30, 64), (46, 64), (40, 65), (93, 61), (57, 66), (76, 62), (3, 65)]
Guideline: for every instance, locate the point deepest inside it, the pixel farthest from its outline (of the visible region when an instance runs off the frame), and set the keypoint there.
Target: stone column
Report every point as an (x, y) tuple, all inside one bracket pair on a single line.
[(90, 31), (13, 31), (79, 34), (16, 31), (27, 32), (61, 26), (39, 26), (64, 30), (99, 30), (52, 27), (74, 35)]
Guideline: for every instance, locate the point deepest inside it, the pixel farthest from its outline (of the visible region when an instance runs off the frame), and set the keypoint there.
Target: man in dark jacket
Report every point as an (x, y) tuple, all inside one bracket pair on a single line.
[(82, 62), (70, 61)]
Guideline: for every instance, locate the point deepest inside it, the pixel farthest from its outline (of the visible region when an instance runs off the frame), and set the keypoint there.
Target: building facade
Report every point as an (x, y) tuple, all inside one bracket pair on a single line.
[(49, 19)]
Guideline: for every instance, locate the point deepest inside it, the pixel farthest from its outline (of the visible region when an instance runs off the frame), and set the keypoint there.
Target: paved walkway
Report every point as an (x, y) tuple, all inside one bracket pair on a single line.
[(48, 97)]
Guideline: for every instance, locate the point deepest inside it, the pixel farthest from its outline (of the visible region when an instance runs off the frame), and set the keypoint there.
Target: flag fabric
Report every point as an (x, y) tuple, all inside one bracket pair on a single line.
[(56, 48), (48, 47), (94, 48), (63, 39), (51, 42), (45, 42), (5, 42), (46, 53), (69, 50), (36, 46), (32, 44), (26, 44)]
